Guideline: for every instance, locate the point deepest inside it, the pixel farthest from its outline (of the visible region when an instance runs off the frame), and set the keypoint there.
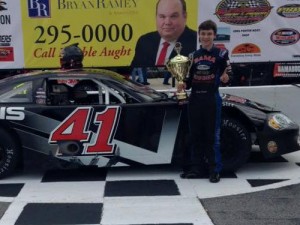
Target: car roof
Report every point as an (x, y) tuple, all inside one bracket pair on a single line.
[(80, 73)]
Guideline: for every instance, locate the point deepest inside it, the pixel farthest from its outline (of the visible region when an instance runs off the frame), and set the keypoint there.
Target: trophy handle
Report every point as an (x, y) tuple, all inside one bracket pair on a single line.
[(191, 59)]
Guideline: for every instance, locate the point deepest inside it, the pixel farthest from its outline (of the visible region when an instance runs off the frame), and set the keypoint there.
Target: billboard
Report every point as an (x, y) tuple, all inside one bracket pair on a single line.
[(32, 32), (256, 30)]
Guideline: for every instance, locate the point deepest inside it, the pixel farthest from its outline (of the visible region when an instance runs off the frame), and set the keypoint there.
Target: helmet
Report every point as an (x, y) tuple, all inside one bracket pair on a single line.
[(71, 57)]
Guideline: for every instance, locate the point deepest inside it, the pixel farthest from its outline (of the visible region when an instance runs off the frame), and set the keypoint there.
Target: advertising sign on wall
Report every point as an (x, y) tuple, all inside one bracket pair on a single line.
[(106, 30), (32, 32), (256, 30), (11, 35)]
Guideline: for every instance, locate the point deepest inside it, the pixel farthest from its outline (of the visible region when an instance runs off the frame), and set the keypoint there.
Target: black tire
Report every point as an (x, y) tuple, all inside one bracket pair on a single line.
[(236, 144), (9, 154)]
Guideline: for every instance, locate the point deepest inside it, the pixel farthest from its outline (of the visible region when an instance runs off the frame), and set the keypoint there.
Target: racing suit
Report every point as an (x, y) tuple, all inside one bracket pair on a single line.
[(204, 108)]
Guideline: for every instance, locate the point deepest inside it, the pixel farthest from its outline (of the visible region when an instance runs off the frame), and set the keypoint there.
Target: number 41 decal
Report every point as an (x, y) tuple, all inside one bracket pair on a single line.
[(76, 128)]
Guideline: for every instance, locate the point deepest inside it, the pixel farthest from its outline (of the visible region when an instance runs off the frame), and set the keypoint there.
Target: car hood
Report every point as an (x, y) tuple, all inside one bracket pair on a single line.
[(255, 111), (240, 101)]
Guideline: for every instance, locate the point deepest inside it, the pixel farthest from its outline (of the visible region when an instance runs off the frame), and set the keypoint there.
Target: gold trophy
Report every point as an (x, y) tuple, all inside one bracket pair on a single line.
[(179, 66)]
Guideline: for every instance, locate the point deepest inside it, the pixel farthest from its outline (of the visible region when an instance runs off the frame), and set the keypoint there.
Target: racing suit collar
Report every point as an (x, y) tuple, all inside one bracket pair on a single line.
[(208, 50)]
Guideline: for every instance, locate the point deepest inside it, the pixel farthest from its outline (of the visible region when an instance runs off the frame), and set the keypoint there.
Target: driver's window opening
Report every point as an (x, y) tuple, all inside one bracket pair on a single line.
[(68, 92), (81, 92)]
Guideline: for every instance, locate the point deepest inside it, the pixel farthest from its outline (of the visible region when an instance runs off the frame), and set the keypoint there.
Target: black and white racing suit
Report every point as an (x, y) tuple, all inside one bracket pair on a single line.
[(204, 108)]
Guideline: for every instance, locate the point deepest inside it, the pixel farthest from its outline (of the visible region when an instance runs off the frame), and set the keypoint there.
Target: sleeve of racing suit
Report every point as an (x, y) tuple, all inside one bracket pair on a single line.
[(226, 66)]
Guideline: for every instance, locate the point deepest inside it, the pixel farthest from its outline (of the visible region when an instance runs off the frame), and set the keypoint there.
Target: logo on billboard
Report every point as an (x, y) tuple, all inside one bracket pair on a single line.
[(6, 54), (286, 70), (38, 8), (246, 48), (289, 11), (285, 37), (5, 40), (3, 5), (4, 19), (242, 12)]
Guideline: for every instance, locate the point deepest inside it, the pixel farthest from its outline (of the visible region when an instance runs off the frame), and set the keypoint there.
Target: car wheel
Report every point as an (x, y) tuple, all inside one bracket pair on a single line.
[(9, 154), (236, 144)]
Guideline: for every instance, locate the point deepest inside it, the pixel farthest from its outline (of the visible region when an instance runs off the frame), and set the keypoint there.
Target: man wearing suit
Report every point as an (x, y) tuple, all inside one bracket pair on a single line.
[(171, 27)]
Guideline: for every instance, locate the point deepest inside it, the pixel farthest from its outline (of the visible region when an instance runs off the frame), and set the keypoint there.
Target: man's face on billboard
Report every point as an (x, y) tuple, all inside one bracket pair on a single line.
[(170, 19)]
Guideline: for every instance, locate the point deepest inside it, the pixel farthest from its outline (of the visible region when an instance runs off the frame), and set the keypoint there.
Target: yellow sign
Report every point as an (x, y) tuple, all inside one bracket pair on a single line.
[(106, 30)]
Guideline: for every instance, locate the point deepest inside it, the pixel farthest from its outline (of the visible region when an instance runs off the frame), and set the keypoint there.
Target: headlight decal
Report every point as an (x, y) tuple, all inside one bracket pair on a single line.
[(279, 121)]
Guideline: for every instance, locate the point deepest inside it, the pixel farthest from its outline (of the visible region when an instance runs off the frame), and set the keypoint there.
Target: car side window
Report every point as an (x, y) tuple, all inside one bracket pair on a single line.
[(58, 93), (20, 93), (117, 95), (81, 92), (86, 92), (110, 97), (72, 92)]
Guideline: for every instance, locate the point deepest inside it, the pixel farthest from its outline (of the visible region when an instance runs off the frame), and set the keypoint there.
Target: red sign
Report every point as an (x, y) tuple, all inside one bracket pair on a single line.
[(6, 54)]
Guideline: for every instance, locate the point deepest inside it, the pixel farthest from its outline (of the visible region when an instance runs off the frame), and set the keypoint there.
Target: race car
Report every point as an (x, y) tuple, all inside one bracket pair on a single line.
[(93, 117)]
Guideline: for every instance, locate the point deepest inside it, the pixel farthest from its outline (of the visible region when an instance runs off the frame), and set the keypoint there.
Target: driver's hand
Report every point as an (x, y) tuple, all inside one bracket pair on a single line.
[(224, 78)]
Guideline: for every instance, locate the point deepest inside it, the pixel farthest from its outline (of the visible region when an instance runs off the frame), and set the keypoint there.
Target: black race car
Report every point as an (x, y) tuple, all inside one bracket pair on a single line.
[(99, 118)]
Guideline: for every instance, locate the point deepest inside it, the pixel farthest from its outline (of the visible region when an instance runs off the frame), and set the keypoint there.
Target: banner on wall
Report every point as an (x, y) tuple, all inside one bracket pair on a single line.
[(106, 30), (286, 70), (32, 32), (256, 30), (11, 35)]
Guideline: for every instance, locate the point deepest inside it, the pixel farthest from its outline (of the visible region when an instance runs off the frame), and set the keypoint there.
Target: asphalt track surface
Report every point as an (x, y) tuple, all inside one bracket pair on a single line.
[(262, 192)]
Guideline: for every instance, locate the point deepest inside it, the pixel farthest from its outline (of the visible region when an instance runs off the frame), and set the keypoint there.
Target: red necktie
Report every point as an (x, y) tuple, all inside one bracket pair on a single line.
[(162, 55)]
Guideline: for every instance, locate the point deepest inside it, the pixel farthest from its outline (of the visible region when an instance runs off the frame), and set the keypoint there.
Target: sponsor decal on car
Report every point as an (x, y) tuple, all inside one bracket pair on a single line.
[(239, 130), (285, 36), (12, 113), (243, 12), (235, 99), (279, 121), (77, 128), (289, 11)]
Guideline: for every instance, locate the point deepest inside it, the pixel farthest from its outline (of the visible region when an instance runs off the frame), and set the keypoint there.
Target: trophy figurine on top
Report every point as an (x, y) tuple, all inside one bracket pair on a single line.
[(179, 67)]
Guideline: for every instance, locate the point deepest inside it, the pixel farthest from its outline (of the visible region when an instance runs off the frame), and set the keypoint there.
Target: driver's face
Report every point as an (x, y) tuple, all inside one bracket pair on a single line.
[(206, 38)]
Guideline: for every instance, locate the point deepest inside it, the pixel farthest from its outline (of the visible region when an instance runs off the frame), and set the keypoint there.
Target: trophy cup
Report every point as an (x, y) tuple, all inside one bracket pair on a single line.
[(179, 67)]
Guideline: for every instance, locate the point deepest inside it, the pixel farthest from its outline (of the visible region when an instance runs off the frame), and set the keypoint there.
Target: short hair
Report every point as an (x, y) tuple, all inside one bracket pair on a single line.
[(208, 25), (183, 3)]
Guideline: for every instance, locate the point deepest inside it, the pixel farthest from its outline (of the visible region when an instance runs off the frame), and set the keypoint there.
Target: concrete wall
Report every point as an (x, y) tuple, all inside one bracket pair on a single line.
[(281, 97)]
